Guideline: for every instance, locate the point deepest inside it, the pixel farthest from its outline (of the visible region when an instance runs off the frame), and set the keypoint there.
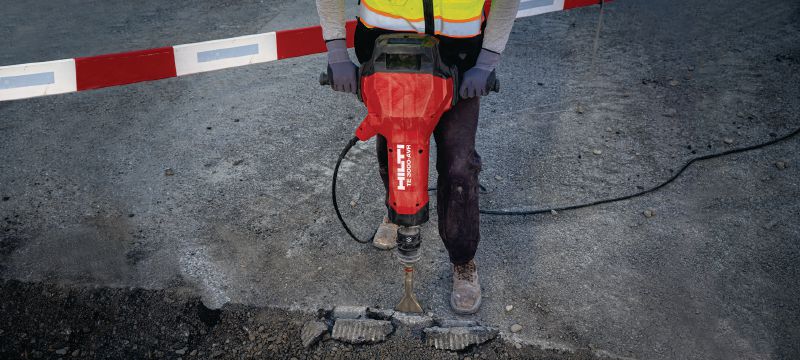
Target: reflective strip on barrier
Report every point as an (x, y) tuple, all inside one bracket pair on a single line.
[(225, 53), (37, 79), (537, 7)]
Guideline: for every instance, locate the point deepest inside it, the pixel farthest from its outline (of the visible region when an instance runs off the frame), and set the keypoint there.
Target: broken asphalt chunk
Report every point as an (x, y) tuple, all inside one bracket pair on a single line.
[(350, 312), (408, 324), (414, 321), (312, 331), (380, 314), (450, 323), (361, 331), (458, 338)]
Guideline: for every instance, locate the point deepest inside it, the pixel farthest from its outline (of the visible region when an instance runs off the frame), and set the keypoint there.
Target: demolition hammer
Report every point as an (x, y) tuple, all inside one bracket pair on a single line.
[(406, 87)]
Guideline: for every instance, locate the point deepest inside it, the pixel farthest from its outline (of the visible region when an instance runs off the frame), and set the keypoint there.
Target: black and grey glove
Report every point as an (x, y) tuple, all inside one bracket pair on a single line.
[(475, 82), (343, 72)]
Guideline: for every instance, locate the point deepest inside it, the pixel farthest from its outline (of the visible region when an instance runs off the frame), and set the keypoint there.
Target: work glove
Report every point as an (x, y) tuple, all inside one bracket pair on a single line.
[(343, 71), (475, 82)]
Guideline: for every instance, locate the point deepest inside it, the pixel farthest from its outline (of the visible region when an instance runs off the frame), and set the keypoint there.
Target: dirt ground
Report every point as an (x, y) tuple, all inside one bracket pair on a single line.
[(242, 220), (39, 321)]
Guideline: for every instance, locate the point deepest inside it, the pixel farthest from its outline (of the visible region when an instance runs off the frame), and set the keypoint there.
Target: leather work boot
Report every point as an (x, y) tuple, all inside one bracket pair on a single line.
[(386, 236), (466, 295)]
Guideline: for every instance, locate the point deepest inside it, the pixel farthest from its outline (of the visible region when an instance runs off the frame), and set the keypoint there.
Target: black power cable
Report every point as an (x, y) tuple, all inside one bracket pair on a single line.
[(691, 161), (346, 149), (640, 193)]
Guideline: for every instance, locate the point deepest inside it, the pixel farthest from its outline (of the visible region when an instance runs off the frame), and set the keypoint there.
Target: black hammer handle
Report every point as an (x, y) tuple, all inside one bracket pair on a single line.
[(323, 79), (492, 83)]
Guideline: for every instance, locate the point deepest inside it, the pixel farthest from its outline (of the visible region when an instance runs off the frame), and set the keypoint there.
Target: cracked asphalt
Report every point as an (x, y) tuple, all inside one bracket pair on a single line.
[(245, 220)]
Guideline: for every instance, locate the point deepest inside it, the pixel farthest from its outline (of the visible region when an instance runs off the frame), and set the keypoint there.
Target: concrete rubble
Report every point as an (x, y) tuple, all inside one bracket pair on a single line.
[(458, 338), (411, 325), (312, 331), (350, 312), (449, 323), (362, 325), (361, 331), (380, 314)]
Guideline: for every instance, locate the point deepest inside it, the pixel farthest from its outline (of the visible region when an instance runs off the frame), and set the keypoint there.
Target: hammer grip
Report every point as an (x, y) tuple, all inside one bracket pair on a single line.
[(492, 83), (325, 78)]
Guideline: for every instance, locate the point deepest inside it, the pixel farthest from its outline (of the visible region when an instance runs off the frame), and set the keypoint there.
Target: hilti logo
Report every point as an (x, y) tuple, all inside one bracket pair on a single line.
[(403, 166)]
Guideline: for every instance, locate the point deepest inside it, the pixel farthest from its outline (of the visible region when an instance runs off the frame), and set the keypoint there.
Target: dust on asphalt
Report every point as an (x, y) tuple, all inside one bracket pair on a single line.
[(43, 321)]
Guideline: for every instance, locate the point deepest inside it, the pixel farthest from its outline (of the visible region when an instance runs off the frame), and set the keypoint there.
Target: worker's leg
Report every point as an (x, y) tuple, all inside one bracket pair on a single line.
[(458, 165), (457, 161)]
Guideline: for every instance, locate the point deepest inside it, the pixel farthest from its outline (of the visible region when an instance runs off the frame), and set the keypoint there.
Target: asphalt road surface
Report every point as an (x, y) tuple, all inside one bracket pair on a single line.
[(246, 218)]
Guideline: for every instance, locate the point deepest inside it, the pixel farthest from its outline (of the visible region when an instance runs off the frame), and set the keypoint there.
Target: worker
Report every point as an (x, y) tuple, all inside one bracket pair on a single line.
[(472, 42)]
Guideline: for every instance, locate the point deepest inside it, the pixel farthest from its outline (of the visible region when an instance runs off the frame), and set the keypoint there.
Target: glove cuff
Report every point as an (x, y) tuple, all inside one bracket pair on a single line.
[(487, 60), (337, 51)]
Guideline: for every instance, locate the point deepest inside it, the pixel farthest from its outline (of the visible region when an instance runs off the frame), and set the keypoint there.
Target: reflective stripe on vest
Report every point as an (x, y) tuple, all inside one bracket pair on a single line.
[(453, 18)]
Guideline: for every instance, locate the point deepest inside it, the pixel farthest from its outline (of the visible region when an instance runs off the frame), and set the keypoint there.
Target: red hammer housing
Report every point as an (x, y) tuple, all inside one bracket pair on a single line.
[(406, 89)]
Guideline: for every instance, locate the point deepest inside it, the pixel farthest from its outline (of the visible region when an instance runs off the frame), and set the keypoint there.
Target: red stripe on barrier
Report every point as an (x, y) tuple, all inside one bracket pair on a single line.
[(101, 71), (306, 41), (571, 4)]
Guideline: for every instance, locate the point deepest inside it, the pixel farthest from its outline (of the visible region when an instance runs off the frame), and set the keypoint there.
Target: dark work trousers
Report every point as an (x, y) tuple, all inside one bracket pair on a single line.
[(457, 161)]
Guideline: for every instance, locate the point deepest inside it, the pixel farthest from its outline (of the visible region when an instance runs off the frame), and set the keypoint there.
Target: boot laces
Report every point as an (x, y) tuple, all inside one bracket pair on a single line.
[(466, 271)]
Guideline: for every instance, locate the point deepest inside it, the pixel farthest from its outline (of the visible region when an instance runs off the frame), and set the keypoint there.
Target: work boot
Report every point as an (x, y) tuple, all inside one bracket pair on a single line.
[(466, 295), (386, 236)]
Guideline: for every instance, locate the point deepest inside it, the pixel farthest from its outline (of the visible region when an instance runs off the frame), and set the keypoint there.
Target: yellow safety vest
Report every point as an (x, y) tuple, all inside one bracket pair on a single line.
[(452, 18)]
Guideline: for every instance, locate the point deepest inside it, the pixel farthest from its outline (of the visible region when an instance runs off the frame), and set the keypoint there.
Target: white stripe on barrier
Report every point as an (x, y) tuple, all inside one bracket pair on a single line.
[(536, 7), (225, 53), (37, 79)]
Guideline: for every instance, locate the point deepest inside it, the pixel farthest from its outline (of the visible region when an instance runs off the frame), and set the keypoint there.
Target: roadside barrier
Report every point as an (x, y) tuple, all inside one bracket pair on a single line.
[(94, 72)]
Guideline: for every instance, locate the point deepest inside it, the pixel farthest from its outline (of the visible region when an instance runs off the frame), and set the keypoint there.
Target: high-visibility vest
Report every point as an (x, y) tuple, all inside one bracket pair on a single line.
[(452, 18)]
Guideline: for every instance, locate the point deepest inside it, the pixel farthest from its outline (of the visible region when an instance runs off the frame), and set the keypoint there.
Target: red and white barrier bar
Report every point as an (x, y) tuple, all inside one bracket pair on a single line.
[(94, 72)]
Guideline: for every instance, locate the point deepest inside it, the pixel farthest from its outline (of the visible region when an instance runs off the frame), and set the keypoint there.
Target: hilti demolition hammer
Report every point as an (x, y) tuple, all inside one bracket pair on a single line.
[(406, 88)]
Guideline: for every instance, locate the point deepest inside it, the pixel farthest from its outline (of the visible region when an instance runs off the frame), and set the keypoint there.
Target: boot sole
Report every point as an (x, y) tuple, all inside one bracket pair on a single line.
[(469, 311)]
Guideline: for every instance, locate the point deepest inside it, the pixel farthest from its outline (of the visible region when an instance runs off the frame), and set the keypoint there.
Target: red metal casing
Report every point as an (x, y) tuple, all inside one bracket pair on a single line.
[(405, 108)]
